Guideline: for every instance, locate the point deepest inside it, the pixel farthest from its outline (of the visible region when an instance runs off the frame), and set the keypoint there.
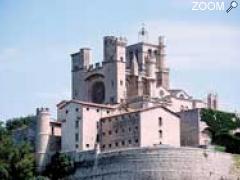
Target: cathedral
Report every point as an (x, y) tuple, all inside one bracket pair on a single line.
[(125, 101)]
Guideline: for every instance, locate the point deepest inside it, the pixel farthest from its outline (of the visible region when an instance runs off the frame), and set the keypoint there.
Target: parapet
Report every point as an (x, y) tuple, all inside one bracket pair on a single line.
[(42, 110), (122, 41), (93, 67)]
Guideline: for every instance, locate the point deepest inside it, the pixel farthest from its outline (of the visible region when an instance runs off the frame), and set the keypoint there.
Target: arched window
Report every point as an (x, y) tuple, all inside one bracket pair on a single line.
[(181, 96), (149, 52), (98, 92)]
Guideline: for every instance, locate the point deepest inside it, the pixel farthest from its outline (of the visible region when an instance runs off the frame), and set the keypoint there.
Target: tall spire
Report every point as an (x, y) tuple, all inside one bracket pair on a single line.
[(143, 34)]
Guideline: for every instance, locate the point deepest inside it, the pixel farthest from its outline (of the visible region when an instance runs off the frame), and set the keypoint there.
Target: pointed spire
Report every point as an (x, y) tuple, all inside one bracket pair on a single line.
[(134, 66), (143, 34)]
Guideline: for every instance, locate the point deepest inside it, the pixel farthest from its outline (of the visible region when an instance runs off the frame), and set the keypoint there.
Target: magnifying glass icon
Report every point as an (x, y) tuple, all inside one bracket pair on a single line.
[(233, 4)]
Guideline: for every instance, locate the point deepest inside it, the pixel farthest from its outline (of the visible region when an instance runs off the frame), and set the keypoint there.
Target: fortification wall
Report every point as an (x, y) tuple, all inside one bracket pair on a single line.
[(156, 164)]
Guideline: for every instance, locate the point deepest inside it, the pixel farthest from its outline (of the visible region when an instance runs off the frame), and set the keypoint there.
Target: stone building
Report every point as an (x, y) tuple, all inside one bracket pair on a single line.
[(129, 90), (193, 129), (142, 128)]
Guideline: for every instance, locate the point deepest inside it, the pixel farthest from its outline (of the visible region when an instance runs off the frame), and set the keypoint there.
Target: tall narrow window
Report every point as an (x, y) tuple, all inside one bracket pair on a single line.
[(52, 130), (121, 82), (76, 124), (160, 121), (77, 137), (160, 133)]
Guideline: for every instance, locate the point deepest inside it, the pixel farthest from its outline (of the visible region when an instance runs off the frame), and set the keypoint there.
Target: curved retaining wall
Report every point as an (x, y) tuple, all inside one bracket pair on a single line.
[(156, 164)]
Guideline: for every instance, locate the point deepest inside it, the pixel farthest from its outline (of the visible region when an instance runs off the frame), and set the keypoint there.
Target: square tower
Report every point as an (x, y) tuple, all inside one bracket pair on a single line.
[(114, 69)]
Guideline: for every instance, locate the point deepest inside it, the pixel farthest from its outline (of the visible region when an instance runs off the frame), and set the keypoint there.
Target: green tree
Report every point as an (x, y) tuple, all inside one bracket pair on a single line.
[(60, 166), (20, 122), (16, 161), (221, 126)]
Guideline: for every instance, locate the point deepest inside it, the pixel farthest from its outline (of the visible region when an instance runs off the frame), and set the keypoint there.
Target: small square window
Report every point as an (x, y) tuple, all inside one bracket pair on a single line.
[(103, 146), (136, 140), (103, 133), (109, 132), (87, 109), (116, 144), (116, 131), (108, 112), (77, 109), (87, 145), (76, 145), (110, 145), (129, 141), (97, 110), (66, 111), (123, 143)]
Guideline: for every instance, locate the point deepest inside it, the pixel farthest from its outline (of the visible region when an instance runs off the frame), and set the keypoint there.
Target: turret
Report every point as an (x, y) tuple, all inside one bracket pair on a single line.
[(212, 101), (162, 70), (114, 49), (81, 59), (43, 133), (161, 54)]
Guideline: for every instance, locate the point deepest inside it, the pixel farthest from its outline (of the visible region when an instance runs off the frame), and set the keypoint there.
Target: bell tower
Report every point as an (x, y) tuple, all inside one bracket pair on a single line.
[(114, 69)]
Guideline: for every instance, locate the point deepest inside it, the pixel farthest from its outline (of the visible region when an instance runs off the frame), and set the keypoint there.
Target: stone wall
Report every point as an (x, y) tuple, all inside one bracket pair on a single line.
[(159, 163)]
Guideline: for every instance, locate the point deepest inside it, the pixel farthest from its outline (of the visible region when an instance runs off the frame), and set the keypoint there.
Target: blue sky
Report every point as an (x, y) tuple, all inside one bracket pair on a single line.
[(36, 38)]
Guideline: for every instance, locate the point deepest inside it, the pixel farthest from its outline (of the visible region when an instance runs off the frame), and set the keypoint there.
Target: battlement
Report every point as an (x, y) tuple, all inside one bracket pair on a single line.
[(122, 41), (93, 67), (42, 110)]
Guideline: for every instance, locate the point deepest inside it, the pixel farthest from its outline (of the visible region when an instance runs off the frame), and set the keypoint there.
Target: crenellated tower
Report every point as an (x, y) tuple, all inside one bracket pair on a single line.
[(43, 137), (212, 101), (81, 61), (114, 68)]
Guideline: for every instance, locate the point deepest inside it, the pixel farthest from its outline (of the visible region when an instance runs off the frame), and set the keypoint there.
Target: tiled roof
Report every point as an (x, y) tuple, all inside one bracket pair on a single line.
[(143, 110), (64, 103)]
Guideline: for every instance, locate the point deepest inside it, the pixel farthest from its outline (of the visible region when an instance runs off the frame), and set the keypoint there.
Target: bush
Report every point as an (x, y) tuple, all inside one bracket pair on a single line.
[(60, 166)]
